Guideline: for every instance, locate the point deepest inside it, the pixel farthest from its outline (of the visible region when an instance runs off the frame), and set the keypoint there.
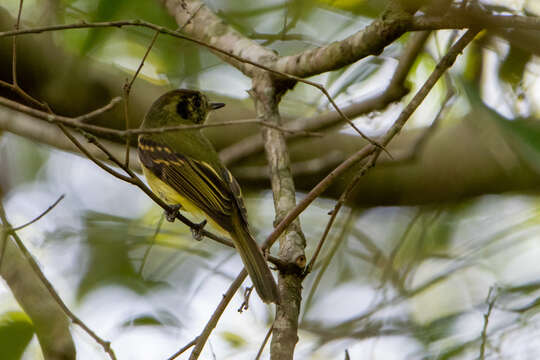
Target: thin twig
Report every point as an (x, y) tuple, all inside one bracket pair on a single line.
[(41, 215), (127, 91), (393, 92), (92, 114), (160, 29), (91, 157), (15, 86), (211, 324), (106, 345), (490, 300), (419, 97), (182, 350), (389, 271), (76, 122), (152, 242), (14, 47), (337, 242), (333, 215), (245, 304), (419, 144), (441, 67), (265, 341), (367, 150), (4, 238)]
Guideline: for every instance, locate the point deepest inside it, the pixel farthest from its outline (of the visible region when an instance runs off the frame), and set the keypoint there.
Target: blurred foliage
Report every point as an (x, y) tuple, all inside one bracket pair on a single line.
[(23, 159), (16, 331), (514, 65), (235, 340), (108, 242), (114, 253), (162, 318)]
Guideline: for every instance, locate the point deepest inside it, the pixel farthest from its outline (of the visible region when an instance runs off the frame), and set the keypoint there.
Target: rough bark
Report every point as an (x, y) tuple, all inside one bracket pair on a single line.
[(292, 243), (50, 323)]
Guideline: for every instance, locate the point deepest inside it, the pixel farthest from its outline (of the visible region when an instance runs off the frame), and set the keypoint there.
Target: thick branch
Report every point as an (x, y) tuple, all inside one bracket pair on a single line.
[(50, 322), (209, 28), (292, 242), (393, 92)]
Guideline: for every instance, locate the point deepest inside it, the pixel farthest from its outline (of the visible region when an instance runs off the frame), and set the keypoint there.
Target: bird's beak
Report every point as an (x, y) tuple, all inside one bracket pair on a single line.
[(216, 105)]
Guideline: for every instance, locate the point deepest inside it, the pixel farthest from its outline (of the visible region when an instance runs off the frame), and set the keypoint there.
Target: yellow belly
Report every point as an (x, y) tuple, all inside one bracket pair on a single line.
[(173, 197)]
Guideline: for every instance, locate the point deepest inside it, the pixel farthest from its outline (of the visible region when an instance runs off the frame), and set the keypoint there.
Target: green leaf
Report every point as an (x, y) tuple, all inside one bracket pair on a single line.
[(105, 11), (513, 66), (523, 135), (109, 243), (436, 330), (235, 340), (16, 331), (162, 318)]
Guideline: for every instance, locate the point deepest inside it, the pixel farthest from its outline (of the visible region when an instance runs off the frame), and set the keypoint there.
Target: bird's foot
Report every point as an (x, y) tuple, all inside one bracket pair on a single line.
[(173, 212), (196, 230)]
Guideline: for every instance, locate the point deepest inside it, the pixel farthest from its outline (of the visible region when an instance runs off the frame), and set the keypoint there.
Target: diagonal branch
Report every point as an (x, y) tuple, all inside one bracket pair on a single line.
[(106, 345), (393, 92), (20, 227)]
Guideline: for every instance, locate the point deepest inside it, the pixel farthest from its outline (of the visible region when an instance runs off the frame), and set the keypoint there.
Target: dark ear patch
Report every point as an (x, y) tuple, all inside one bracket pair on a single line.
[(182, 108), (197, 101)]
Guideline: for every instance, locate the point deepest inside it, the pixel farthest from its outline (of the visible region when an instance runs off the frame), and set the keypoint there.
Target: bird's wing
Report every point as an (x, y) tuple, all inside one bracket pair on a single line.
[(196, 180)]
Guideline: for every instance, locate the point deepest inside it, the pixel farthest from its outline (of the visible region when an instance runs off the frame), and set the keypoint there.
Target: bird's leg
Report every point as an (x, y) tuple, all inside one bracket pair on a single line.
[(197, 229), (172, 213)]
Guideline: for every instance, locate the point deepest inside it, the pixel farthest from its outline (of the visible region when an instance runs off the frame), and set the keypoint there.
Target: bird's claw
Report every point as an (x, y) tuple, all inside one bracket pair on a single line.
[(196, 230), (172, 213)]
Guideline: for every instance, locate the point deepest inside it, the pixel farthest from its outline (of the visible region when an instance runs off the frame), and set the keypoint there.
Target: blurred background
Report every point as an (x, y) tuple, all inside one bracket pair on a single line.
[(434, 238)]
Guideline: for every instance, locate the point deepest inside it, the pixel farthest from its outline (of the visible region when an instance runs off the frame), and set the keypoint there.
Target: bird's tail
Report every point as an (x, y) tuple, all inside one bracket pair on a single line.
[(254, 261)]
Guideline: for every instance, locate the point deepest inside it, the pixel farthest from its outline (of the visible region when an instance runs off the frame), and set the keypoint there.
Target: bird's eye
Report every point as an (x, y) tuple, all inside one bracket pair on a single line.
[(182, 109), (197, 102)]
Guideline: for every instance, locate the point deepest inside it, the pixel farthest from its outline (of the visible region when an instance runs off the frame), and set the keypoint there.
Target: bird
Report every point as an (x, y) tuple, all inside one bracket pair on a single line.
[(184, 170)]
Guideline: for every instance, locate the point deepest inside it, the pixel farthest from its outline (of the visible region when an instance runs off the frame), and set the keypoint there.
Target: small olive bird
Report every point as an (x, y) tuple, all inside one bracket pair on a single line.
[(184, 170)]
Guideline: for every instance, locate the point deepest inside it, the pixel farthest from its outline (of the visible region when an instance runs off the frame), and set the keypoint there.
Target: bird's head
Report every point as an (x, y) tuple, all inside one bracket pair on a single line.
[(179, 107)]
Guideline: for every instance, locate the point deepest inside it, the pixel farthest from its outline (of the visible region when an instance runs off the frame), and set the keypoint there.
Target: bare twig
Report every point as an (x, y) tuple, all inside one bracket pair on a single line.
[(245, 304), (76, 122), (4, 238), (265, 341), (337, 242), (160, 29), (92, 157), (152, 242), (393, 92), (490, 301), (39, 216), (15, 86), (333, 215), (182, 350), (106, 345), (92, 114), (14, 47), (128, 86), (307, 167), (417, 147), (444, 64), (211, 324), (127, 91)]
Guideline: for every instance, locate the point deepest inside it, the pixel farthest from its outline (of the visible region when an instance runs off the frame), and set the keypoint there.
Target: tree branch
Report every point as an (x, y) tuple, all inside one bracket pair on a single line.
[(34, 299)]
